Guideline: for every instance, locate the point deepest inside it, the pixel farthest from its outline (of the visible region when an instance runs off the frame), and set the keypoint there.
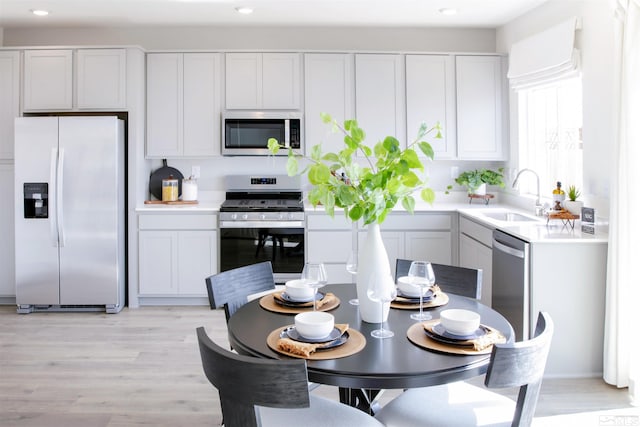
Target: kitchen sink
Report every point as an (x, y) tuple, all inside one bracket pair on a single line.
[(508, 216)]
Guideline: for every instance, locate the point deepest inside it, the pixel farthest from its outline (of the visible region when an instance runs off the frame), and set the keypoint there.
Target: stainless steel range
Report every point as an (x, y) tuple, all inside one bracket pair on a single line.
[(262, 219)]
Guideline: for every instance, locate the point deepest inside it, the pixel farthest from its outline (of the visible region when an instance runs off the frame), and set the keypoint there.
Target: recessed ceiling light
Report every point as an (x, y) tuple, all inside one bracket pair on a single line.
[(244, 10), (448, 11), (40, 12)]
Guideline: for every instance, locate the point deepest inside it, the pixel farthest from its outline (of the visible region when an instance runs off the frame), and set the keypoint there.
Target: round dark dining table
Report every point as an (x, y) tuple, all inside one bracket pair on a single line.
[(390, 363)]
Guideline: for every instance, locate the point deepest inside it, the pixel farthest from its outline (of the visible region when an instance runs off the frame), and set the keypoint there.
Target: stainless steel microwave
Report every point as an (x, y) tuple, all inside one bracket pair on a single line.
[(246, 133)]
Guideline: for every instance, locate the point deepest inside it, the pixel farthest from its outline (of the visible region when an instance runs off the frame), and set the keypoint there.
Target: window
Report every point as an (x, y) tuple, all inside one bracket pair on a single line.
[(551, 135)]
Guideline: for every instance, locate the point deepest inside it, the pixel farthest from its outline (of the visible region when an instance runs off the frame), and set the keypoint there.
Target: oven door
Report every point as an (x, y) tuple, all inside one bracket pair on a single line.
[(248, 242)]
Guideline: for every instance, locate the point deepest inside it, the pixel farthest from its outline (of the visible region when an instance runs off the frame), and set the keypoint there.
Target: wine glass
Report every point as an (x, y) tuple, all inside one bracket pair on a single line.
[(421, 275), (352, 267), (316, 277), (381, 289)]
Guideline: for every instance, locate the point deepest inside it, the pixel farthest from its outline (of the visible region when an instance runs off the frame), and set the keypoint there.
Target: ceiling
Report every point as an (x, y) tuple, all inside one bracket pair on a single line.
[(413, 13)]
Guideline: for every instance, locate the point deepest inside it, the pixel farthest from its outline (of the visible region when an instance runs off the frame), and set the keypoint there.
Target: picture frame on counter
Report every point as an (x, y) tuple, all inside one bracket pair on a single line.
[(588, 220)]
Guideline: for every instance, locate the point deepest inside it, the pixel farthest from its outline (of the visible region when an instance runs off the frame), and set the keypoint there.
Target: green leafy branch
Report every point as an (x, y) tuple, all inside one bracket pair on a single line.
[(369, 192)]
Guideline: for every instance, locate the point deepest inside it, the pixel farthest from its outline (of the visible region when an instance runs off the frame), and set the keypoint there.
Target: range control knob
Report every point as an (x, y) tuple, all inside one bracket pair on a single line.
[(245, 216), (263, 217), (234, 216)]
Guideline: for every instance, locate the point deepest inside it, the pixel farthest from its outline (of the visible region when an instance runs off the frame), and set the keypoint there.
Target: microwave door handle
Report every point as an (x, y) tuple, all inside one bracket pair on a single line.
[(287, 133)]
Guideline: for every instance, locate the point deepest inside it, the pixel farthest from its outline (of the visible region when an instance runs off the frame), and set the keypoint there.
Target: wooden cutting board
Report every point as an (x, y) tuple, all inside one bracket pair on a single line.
[(177, 202)]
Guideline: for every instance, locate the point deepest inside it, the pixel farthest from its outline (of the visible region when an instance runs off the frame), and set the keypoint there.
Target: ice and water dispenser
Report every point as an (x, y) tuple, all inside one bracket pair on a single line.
[(36, 200)]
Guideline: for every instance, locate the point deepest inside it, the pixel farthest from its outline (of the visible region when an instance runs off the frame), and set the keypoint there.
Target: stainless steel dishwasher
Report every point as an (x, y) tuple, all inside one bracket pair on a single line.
[(510, 285)]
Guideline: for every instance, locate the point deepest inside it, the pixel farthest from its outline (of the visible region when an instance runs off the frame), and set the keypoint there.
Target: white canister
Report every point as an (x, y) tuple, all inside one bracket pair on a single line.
[(189, 189)]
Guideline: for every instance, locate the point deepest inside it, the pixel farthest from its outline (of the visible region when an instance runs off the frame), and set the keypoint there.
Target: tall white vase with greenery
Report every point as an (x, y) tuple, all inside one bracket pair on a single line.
[(372, 261)]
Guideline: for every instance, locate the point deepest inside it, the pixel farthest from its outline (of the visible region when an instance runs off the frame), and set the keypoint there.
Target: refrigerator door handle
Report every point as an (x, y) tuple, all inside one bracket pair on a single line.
[(53, 202), (59, 207)]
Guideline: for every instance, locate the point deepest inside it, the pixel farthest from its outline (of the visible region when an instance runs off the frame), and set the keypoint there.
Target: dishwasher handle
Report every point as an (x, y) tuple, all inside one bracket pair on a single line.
[(507, 249)]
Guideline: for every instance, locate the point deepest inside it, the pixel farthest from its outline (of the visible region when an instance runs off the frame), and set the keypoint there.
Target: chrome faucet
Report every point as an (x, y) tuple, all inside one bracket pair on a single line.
[(539, 207)]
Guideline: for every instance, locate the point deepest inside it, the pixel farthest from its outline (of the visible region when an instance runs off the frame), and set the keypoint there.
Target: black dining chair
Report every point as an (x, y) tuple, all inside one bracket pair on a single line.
[(230, 289), (466, 282), (270, 392), (519, 364)]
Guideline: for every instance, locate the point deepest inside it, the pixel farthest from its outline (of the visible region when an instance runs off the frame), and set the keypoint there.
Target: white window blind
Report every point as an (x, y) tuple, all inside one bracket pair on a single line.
[(545, 57)]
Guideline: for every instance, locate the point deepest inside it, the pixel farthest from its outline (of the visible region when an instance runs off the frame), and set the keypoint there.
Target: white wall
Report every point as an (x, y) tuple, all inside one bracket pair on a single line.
[(597, 51), (303, 38)]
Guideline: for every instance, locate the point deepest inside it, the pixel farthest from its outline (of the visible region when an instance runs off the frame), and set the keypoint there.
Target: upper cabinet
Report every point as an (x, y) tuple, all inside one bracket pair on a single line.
[(262, 81), (183, 104), (10, 99), (479, 90), (380, 102), (100, 79), (328, 88), (431, 98)]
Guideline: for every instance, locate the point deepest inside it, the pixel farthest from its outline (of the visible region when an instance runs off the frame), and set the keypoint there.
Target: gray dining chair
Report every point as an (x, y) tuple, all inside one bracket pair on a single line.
[(466, 282), (229, 289), (270, 392), (519, 364)]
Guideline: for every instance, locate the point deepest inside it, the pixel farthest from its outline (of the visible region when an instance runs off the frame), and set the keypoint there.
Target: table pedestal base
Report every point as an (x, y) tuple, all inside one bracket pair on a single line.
[(364, 399)]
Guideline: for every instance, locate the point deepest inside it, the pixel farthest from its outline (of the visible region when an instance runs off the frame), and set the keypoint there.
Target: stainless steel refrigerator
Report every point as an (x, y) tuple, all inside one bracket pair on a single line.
[(69, 213)]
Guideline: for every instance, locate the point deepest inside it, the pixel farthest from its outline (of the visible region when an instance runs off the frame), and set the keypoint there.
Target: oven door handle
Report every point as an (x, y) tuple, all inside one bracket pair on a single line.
[(261, 224)]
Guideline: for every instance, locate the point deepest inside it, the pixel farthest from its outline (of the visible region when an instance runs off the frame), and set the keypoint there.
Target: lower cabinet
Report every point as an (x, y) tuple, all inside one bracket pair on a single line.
[(476, 252), (176, 254)]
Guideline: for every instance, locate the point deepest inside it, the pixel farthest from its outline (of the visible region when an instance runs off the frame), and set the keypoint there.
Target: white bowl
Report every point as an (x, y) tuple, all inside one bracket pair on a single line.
[(406, 286), (299, 290), (460, 322), (314, 324)]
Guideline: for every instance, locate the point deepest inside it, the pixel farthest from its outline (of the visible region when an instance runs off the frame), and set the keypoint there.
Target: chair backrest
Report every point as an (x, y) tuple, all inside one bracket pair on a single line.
[(244, 382), (456, 280), (230, 288), (522, 364)]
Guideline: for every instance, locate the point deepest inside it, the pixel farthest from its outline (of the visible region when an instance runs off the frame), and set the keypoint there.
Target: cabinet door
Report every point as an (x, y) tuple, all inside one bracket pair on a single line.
[(474, 254), (197, 259), (48, 80), (158, 272), (479, 107), (101, 78), (243, 80), (164, 104), (393, 243), (201, 118), (281, 81), (9, 101), (328, 83), (328, 246), (433, 246), (431, 98), (7, 231), (380, 96)]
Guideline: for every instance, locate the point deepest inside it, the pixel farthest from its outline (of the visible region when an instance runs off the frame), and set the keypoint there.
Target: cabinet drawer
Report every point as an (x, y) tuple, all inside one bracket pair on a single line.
[(325, 222), (406, 221), (177, 222), (476, 231)]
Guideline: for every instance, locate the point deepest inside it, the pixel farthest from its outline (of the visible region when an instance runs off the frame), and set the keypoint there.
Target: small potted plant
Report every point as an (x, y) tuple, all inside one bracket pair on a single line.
[(476, 181), (573, 205)]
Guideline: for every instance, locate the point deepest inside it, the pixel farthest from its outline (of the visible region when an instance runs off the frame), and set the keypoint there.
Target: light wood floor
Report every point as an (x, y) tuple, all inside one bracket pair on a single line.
[(142, 367)]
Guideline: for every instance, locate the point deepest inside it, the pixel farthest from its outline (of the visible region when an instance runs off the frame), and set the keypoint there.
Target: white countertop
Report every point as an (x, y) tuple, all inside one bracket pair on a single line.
[(535, 231)]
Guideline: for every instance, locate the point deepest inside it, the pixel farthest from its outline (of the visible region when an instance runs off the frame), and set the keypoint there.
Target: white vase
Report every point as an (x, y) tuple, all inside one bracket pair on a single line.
[(482, 190), (372, 260)]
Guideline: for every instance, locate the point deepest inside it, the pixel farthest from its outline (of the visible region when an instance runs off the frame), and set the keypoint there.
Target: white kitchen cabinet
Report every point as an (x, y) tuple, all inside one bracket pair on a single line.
[(176, 254), (476, 252), (100, 79), (7, 248), (330, 240), (328, 88), (9, 101), (479, 95), (48, 79), (380, 100), (431, 98), (183, 104), (262, 81)]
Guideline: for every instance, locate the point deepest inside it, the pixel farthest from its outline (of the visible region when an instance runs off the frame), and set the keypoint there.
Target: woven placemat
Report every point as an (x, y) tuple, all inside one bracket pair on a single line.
[(268, 303), (439, 299), (354, 344), (417, 335)]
